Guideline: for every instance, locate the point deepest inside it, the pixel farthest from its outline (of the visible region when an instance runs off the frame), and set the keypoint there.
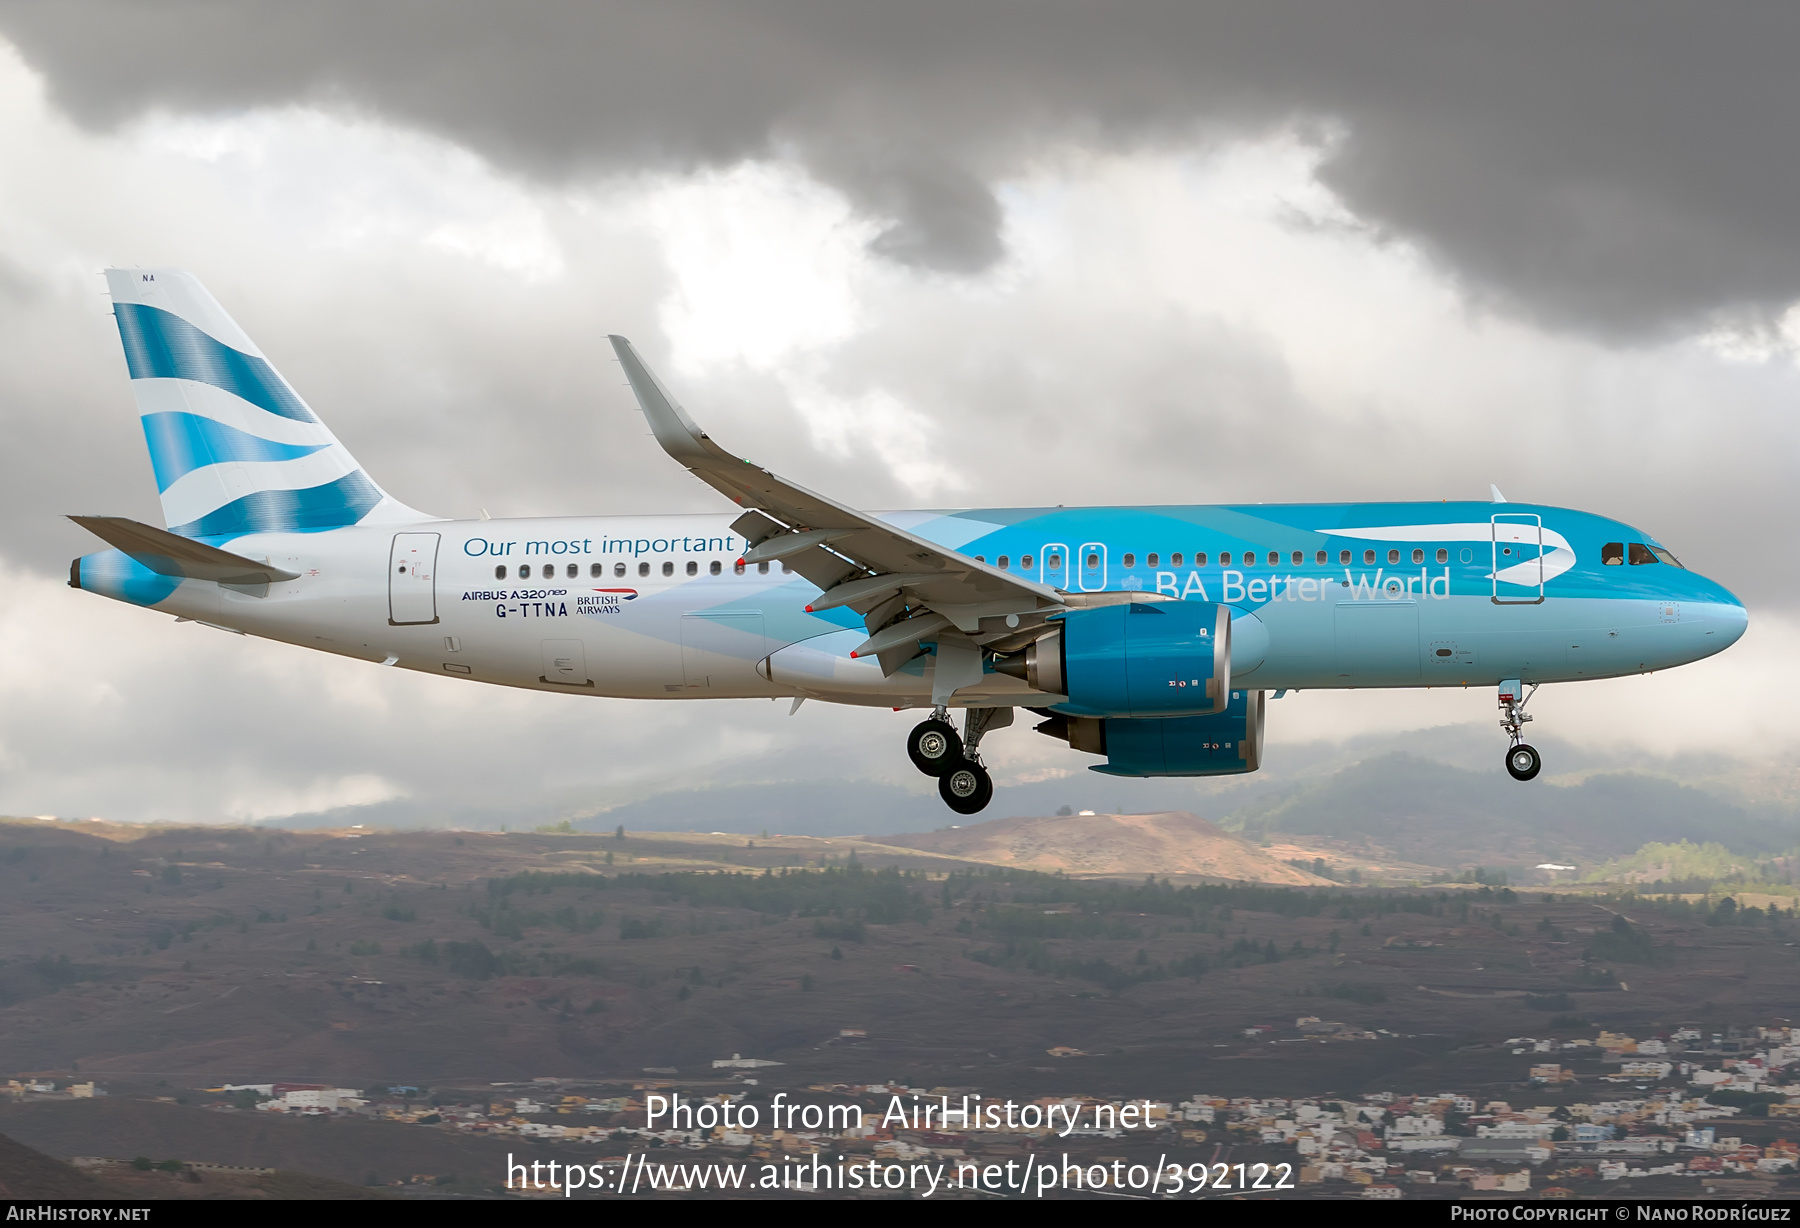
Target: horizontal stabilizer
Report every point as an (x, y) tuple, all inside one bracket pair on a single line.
[(170, 554)]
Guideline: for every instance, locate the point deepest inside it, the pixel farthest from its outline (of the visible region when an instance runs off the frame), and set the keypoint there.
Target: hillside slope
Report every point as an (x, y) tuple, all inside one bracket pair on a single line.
[(1173, 842)]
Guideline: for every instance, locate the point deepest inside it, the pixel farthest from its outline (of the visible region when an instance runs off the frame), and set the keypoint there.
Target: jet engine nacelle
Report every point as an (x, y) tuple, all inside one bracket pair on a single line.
[(1145, 658), (1223, 744)]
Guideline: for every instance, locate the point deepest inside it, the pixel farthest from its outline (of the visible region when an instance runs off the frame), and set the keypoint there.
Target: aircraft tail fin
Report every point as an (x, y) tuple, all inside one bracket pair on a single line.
[(234, 448)]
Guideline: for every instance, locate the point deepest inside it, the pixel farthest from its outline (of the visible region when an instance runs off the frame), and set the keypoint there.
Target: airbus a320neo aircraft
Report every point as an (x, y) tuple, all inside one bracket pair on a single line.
[(1148, 636)]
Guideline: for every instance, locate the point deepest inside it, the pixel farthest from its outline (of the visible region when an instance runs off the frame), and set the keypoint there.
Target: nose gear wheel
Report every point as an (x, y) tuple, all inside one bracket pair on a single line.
[(1523, 762)]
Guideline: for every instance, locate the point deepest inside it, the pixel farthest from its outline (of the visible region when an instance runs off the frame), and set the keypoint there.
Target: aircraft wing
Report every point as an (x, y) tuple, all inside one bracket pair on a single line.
[(904, 586)]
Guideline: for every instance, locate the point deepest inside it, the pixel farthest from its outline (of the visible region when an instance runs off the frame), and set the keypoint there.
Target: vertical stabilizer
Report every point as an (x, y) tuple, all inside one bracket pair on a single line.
[(234, 448)]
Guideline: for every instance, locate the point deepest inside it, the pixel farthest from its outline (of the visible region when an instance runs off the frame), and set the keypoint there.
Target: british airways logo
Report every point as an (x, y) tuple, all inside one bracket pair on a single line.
[(601, 602)]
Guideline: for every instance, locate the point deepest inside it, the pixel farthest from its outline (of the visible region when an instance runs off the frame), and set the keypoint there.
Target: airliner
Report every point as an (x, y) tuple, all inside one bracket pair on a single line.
[(1149, 637)]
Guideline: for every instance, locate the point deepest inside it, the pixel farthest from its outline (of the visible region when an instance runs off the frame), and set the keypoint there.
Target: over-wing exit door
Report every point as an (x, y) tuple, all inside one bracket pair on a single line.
[(1092, 557), (412, 579)]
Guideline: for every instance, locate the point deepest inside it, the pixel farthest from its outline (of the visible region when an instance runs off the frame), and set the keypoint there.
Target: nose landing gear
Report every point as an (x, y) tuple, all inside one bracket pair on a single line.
[(1522, 760)]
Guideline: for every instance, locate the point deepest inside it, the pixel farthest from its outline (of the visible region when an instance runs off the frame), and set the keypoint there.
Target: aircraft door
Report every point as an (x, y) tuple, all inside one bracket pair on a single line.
[(1518, 558), (565, 662), (412, 579), (1092, 561), (1054, 565)]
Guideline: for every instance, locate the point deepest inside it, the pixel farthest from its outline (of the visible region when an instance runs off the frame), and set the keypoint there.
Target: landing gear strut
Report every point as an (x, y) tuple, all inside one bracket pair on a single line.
[(967, 788), (1522, 760)]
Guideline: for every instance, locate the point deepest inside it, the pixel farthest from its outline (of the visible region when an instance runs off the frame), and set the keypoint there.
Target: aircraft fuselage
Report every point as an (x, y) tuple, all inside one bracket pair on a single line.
[(658, 607)]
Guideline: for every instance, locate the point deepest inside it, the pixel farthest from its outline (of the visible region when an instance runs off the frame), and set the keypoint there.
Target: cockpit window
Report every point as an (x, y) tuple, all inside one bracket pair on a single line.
[(1640, 554), (1612, 554), (1666, 557)]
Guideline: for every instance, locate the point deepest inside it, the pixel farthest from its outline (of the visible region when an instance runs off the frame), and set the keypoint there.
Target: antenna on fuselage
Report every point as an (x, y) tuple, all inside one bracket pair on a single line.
[(1498, 497)]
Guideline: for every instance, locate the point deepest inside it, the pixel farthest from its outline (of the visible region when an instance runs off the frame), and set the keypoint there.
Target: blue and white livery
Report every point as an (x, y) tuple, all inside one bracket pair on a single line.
[(1145, 635)]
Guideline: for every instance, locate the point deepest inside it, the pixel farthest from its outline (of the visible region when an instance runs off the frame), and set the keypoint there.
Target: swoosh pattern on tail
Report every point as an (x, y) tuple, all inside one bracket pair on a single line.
[(234, 447)]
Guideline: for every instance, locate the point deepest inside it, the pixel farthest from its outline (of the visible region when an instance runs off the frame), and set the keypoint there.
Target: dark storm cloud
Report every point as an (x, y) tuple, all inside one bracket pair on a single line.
[(1619, 168)]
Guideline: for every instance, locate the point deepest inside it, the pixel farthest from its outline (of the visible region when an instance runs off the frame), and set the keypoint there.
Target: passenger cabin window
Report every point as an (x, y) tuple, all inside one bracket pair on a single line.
[(1393, 556), (1613, 554), (981, 558), (1418, 556), (1224, 558), (1344, 556), (1368, 558), (1443, 555), (500, 572), (1641, 554), (715, 567), (618, 569), (1274, 558), (787, 568), (1152, 560), (668, 568), (737, 568), (1004, 562), (1320, 558), (1299, 557), (693, 568), (1130, 560), (1025, 561), (1053, 561), (643, 569), (595, 570), (1175, 559), (1093, 560), (574, 570)]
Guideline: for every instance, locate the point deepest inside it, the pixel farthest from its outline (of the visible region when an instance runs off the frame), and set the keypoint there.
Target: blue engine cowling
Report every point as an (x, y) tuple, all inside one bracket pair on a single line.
[(1143, 658), (1225, 744)]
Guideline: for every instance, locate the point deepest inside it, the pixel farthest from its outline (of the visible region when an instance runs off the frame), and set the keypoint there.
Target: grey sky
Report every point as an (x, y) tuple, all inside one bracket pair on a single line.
[(911, 255), (1613, 166)]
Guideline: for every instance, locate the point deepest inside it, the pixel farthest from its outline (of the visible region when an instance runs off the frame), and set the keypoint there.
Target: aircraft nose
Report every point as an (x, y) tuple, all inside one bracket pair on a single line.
[(1733, 620), (1723, 622)]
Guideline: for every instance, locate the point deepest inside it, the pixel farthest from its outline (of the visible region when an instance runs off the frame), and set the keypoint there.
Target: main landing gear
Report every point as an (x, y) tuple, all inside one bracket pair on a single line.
[(937, 750), (1522, 760)]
